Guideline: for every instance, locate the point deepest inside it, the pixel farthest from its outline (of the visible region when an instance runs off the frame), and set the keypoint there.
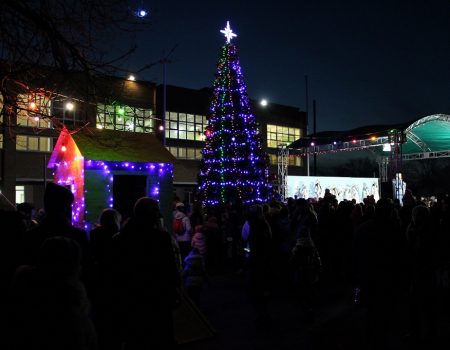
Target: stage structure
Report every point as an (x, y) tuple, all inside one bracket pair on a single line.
[(344, 188), (425, 138)]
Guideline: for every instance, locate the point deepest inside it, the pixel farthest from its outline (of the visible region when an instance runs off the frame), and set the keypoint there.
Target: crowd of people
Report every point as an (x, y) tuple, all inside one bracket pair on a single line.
[(117, 289)]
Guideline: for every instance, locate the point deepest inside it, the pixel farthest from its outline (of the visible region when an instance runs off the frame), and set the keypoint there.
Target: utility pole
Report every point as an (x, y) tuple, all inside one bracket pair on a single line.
[(164, 106), (314, 131), (307, 119)]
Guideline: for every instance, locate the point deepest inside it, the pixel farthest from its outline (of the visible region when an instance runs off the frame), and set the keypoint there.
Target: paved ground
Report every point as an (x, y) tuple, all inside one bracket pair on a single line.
[(338, 323)]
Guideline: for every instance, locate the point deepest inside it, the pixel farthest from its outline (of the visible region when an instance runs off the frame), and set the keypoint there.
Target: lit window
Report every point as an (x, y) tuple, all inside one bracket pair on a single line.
[(190, 153), (124, 118), (33, 143), (186, 152), (1, 141), (292, 161), (1, 109), (33, 110), (20, 194), (277, 135), (295, 161), (186, 126)]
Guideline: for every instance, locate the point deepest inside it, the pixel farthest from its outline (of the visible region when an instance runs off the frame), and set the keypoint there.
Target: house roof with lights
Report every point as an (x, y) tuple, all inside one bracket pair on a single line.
[(110, 145)]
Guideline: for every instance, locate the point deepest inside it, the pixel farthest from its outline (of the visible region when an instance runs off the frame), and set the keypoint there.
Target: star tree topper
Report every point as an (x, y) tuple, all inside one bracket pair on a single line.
[(228, 32)]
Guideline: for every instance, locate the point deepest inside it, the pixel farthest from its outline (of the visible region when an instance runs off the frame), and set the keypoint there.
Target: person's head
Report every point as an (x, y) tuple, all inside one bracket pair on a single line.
[(180, 207), (198, 228), (59, 256), (302, 205), (110, 219), (384, 208), (147, 208), (26, 209), (58, 200), (419, 215), (255, 212), (408, 198)]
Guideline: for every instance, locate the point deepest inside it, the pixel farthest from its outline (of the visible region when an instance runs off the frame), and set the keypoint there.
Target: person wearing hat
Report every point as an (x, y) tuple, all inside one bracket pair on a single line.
[(182, 229)]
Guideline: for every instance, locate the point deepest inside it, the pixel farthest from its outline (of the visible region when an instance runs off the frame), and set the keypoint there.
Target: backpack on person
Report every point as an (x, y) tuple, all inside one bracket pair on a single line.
[(178, 227)]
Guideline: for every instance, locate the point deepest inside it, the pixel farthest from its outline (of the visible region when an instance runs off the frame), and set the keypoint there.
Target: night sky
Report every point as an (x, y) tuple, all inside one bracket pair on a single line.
[(367, 62)]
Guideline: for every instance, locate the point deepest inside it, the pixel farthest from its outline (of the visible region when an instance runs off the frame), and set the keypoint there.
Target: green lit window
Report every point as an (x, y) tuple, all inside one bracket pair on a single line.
[(124, 118), (277, 135), (185, 126), (33, 143)]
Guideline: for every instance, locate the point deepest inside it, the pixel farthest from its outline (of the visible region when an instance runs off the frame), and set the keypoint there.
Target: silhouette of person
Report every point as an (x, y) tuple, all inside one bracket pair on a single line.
[(147, 279), (57, 222)]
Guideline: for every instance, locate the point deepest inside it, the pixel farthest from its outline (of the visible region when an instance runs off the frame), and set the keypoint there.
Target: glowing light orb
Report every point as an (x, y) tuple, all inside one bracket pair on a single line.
[(141, 13), (69, 106)]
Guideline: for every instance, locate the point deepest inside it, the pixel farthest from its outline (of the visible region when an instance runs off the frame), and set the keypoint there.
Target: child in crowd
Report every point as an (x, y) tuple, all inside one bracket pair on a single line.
[(199, 240), (194, 274)]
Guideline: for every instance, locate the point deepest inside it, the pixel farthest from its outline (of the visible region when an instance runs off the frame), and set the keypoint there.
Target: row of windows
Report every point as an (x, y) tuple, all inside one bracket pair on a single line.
[(34, 143), (196, 154), (124, 118), (182, 126), (178, 125), (185, 126), (293, 161), (31, 143), (277, 134), (31, 108), (186, 152)]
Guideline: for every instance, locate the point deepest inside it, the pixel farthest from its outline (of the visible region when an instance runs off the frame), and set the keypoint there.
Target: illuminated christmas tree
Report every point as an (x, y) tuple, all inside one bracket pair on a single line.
[(234, 166)]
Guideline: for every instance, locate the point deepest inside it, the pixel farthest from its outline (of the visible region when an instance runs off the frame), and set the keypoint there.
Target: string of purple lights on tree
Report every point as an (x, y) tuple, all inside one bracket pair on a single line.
[(234, 166)]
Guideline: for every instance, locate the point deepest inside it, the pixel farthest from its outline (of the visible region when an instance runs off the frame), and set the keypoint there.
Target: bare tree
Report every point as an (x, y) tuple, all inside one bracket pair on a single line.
[(43, 42), (66, 35)]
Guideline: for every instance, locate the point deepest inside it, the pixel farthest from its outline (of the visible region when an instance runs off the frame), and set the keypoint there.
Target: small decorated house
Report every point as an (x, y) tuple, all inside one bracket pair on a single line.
[(112, 169)]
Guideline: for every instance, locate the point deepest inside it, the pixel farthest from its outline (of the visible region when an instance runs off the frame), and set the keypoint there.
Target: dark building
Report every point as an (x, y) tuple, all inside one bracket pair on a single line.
[(177, 118)]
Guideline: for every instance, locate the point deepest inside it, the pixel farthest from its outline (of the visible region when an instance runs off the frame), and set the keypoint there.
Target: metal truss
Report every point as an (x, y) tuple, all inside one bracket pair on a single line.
[(426, 155), (383, 168), (283, 162), (430, 118), (418, 141)]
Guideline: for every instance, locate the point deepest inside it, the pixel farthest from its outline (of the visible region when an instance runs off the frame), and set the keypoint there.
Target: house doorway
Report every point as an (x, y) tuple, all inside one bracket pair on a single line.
[(127, 189)]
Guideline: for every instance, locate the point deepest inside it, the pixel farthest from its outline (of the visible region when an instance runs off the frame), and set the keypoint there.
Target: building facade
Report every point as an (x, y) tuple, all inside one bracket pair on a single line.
[(177, 116)]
